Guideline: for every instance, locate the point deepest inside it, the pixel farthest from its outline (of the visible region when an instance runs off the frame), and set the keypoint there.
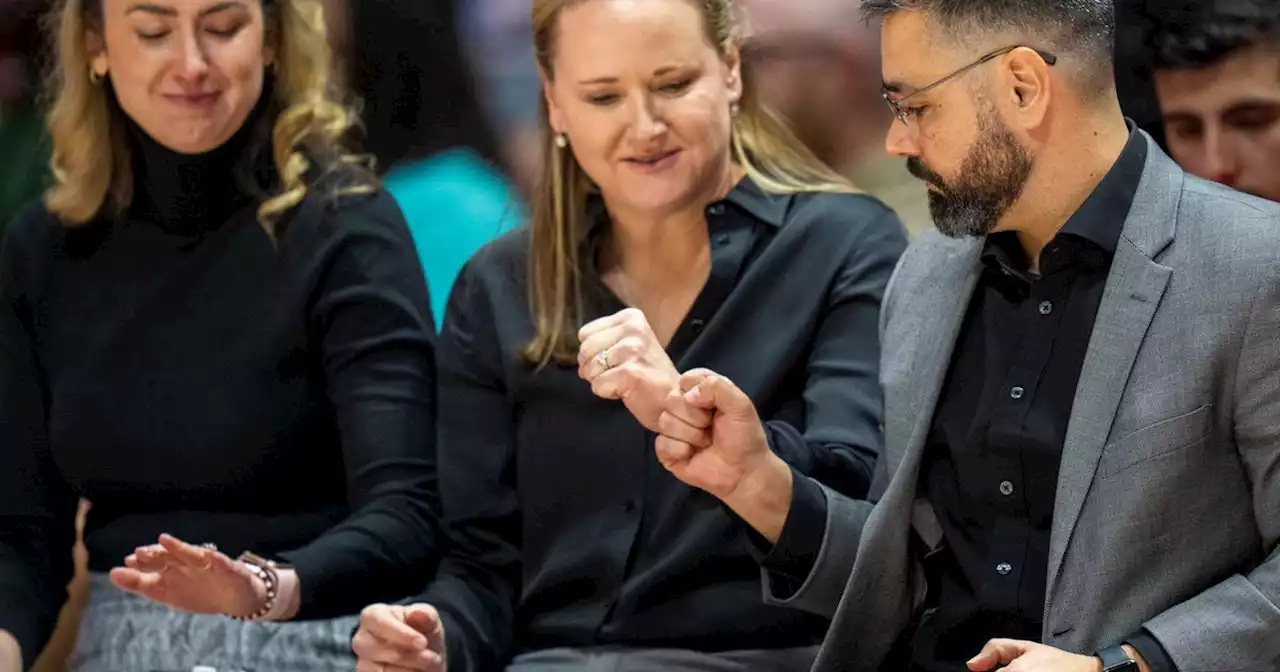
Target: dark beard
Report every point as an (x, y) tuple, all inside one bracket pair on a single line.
[(990, 180)]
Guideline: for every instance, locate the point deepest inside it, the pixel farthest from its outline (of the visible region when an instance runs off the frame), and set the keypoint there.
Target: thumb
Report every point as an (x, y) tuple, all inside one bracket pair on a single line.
[(710, 390), (997, 652), (424, 618)]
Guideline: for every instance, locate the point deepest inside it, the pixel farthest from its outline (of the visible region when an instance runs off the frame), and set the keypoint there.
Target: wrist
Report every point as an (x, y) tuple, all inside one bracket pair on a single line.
[(763, 497)]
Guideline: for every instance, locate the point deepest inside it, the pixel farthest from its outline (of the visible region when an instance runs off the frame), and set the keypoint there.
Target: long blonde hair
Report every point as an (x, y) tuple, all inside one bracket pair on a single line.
[(761, 143), (91, 157)]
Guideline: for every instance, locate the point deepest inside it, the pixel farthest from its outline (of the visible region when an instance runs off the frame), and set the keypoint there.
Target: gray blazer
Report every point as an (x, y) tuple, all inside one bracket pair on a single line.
[(1168, 503)]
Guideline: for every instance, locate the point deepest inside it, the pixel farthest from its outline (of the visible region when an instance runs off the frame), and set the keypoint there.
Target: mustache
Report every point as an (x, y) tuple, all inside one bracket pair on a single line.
[(922, 172)]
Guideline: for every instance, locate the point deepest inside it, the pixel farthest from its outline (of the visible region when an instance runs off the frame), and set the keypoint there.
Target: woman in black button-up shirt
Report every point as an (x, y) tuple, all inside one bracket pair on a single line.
[(679, 226)]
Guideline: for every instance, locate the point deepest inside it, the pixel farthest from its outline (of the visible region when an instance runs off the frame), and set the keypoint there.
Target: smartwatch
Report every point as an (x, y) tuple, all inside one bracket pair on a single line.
[(1114, 659)]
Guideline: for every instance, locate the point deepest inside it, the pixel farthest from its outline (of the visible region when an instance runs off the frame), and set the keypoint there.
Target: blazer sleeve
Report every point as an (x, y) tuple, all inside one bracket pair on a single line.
[(371, 324), (1235, 625), (478, 584), (37, 508)]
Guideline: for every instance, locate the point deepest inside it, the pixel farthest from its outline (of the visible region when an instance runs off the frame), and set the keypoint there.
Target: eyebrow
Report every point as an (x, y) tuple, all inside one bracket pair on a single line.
[(665, 70), (169, 11)]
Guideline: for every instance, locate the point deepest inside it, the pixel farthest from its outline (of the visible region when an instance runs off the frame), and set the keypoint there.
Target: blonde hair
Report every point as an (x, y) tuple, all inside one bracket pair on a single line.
[(91, 157), (760, 142)]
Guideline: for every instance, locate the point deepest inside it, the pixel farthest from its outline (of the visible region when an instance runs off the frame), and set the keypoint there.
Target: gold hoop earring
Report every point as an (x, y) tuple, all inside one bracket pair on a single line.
[(562, 140), (95, 77), (734, 109)]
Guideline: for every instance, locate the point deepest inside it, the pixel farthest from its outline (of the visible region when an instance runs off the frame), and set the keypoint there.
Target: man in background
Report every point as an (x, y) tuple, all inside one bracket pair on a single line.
[(1217, 75), (818, 63)]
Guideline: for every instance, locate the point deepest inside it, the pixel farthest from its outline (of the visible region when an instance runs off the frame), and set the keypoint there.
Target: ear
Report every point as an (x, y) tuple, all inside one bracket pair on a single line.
[(1029, 85), (554, 115), (96, 49), (733, 70)]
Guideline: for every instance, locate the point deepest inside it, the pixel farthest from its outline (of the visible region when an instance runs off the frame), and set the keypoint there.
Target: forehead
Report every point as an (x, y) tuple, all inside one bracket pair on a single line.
[(911, 51), (604, 36), (1253, 74)]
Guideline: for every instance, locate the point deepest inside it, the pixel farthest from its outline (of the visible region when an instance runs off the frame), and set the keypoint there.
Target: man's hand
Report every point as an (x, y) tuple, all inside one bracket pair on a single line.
[(1010, 655), (711, 438), (622, 359), (395, 638), (10, 653)]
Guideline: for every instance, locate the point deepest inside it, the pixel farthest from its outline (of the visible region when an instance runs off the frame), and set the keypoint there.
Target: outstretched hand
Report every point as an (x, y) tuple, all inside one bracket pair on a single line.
[(198, 579)]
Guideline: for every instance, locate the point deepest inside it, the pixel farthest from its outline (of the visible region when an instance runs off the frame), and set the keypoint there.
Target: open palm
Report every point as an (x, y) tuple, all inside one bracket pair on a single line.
[(191, 578)]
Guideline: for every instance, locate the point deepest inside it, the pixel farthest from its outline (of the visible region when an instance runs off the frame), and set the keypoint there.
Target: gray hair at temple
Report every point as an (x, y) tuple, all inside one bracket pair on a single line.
[(1081, 33)]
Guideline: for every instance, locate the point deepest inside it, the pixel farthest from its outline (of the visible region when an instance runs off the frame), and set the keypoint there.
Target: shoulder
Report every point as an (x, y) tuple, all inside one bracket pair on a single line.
[(1224, 231), (503, 261), (337, 208), (845, 215)]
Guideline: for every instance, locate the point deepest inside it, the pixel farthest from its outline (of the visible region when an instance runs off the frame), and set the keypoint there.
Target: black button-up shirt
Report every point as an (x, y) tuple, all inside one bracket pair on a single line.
[(995, 445), (992, 455), (566, 530)]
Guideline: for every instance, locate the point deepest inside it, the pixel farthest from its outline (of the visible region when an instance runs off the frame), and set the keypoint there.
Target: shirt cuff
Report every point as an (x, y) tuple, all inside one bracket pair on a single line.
[(1152, 651), (802, 533)]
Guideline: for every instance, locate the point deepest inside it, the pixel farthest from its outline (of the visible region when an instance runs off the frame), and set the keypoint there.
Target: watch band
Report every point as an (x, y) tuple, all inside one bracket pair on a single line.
[(1114, 659), (265, 570)]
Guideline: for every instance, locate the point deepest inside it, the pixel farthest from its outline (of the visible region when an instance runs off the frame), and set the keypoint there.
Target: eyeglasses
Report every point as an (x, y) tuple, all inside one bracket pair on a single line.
[(896, 104)]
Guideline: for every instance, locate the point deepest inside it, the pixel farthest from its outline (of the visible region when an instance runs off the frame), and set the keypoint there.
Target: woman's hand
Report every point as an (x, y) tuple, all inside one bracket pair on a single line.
[(622, 359), (198, 579), (10, 653), (394, 638)]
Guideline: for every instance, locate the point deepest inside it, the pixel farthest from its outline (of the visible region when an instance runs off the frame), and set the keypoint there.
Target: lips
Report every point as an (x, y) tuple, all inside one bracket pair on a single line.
[(193, 100), (652, 159)]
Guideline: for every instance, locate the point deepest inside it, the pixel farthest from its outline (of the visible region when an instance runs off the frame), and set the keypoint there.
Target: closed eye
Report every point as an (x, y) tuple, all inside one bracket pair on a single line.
[(603, 99), (676, 87)]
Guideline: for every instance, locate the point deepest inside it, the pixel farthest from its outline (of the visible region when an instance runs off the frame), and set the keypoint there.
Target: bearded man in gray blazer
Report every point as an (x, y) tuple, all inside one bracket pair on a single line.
[(1081, 463)]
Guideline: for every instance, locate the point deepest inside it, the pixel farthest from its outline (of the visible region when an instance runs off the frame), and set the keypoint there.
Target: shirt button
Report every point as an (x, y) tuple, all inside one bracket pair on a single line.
[(1006, 488), (1046, 307), (722, 239), (1016, 393), (1004, 568), (715, 209), (697, 324)]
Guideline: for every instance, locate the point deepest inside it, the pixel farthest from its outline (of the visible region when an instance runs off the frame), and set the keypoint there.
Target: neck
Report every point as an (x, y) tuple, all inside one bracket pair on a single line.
[(657, 249), (191, 193), (1067, 172)]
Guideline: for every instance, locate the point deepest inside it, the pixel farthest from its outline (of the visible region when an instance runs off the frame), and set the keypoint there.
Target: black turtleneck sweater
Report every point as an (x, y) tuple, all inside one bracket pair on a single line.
[(189, 376)]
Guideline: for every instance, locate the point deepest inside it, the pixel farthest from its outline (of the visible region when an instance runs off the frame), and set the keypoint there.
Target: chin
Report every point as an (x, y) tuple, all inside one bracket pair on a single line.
[(196, 141)]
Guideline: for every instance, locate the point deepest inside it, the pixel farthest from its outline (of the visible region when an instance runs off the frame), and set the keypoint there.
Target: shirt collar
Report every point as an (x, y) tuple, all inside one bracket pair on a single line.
[(1099, 220), (746, 196)]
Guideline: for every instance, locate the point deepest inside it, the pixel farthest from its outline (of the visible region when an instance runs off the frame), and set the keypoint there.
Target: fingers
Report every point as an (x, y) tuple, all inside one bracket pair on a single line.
[(677, 405), (997, 652), (633, 315), (708, 389), (674, 428), (146, 584), (194, 557), (148, 559), (377, 654), (385, 624), (672, 453)]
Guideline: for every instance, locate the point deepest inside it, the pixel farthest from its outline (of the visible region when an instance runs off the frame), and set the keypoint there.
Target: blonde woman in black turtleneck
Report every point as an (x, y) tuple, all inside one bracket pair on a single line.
[(214, 327)]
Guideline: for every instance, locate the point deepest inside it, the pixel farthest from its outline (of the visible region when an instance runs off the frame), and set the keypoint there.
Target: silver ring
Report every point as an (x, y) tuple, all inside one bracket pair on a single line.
[(209, 547), (212, 548), (602, 358)]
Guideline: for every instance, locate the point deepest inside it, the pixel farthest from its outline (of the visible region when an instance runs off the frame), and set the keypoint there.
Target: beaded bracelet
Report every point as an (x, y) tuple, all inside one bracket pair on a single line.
[(265, 570)]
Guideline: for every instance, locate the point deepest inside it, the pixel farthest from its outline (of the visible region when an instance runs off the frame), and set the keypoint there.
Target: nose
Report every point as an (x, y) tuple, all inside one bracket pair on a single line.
[(647, 123), (194, 63), (900, 141), (1221, 163)]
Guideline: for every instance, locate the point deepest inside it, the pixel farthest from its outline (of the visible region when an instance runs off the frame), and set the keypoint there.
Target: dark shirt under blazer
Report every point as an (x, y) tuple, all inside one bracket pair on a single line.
[(1166, 508), (565, 530)]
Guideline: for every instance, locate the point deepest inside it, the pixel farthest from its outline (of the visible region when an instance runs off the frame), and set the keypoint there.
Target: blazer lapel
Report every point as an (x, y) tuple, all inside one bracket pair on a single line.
[(935, 326), (1135, 286)]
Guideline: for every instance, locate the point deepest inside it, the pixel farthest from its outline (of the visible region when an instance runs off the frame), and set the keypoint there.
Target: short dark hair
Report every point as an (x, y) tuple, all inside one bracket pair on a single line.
[(1082, 29), (1200, 33)]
